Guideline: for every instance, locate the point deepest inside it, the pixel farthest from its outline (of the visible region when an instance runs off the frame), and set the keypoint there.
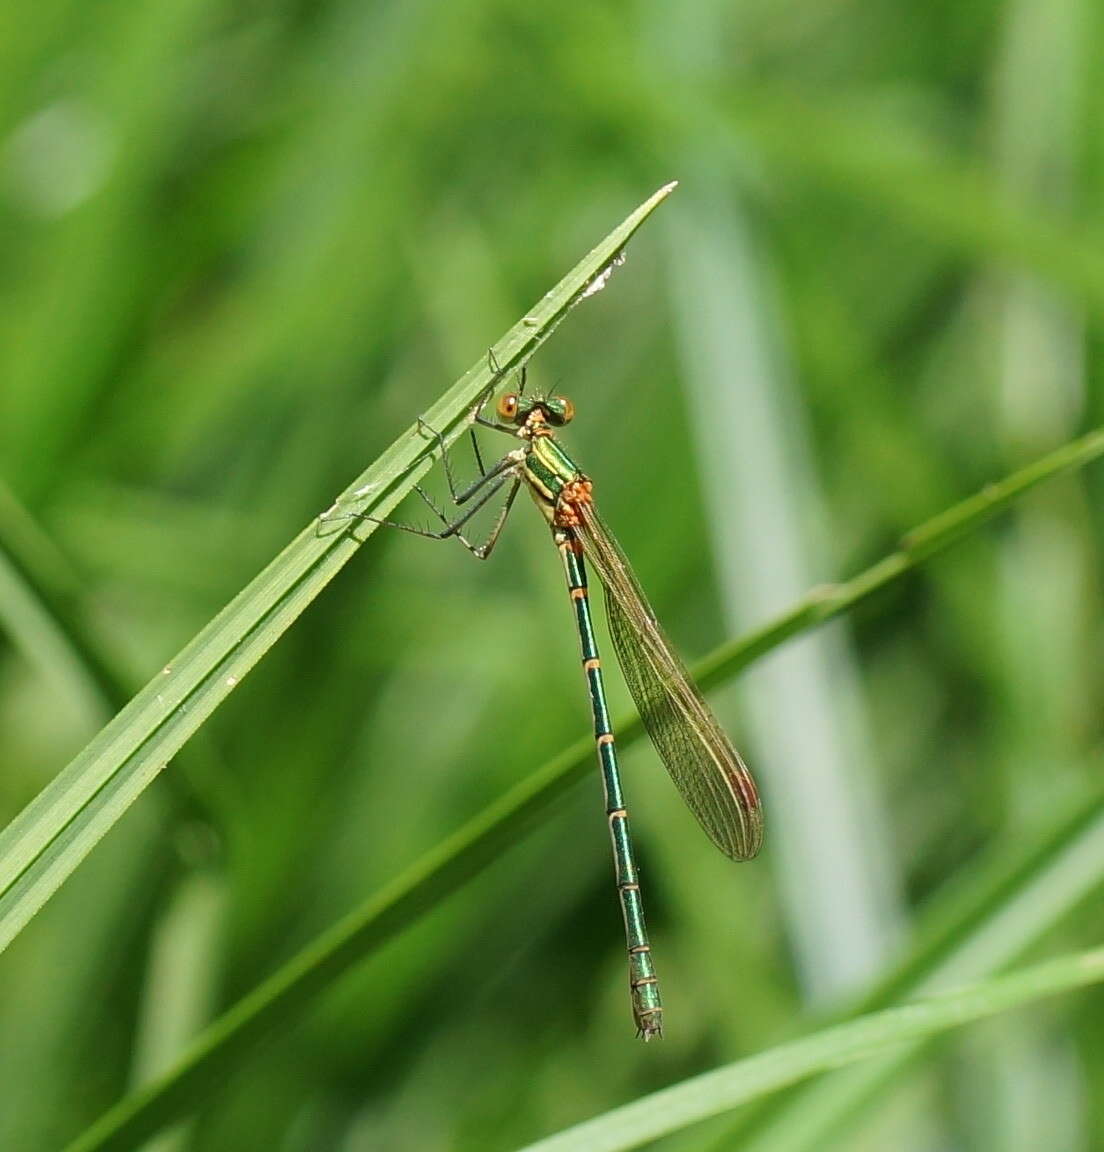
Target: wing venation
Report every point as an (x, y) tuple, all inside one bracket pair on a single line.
[(705, 767)]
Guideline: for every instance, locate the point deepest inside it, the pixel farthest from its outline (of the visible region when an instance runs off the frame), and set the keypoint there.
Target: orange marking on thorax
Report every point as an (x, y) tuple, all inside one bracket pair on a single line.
[(573, 493)]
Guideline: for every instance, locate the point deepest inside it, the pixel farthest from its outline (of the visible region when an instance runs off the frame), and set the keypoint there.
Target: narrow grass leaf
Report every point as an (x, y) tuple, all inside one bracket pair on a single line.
[(43, 845), (484, 838), (723, 1089), (973, 933)]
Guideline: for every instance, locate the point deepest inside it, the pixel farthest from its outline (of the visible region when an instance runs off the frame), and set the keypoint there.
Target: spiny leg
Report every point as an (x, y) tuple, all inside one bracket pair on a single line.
[(463, 495), (450, 528), (442, 447), (454, 490), (492, 481), (459, 496), (477, 417), (481, 551), (487, 547)]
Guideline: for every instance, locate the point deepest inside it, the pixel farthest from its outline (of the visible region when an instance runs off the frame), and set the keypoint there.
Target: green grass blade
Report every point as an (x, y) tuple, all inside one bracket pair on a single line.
[(713, 1093), (829, 600), (43, 845), (483, 839), (970, 934)]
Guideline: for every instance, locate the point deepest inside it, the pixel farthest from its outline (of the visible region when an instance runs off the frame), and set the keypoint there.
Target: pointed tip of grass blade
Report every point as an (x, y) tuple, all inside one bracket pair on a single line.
[(522, 341), (45, 842), (140, 739), (654, 201)]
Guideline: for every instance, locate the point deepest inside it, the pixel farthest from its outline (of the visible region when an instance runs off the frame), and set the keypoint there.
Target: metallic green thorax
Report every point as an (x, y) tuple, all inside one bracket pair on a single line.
[(547, 468)]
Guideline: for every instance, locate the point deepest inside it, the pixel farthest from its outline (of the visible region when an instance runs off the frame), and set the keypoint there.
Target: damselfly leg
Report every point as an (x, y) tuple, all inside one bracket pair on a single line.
[(483, 490), (704, 766), (485, 486)]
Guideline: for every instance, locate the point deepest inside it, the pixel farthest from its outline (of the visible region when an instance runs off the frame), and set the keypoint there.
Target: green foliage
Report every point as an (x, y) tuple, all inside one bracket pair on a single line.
[(462, 856), (247, 246), (724, 1088), (52, 835)]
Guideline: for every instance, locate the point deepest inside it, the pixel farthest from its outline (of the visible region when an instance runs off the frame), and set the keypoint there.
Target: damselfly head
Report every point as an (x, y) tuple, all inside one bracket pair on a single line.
[(517, 409)]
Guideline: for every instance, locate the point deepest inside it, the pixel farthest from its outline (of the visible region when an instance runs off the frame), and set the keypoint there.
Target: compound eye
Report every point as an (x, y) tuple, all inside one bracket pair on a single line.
[(559, 409), (508, 406)]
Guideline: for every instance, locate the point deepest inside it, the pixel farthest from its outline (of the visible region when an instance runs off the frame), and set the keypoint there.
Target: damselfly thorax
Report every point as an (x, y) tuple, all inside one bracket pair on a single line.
[(557, 484), (701, 760)]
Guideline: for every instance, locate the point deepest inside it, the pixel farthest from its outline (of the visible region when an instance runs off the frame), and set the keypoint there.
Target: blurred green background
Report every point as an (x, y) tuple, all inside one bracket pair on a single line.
[(245, 245)]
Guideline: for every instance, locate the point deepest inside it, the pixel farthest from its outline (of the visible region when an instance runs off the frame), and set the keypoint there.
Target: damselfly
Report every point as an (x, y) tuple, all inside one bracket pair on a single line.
[(705, 767)]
